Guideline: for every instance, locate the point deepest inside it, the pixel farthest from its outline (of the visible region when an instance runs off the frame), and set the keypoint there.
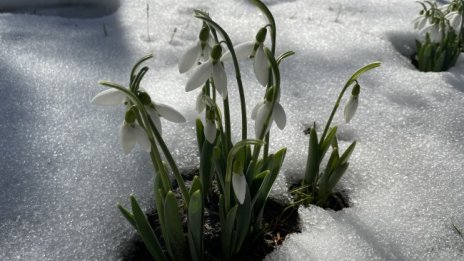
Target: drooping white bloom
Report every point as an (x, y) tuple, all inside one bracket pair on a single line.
[(455, 20), (240, 185), (253, 50), (157, 110), (109, 97), (419, 22), (200, 104), (434, 30), (210, 131), (131, 133), (262, 110), (205, 71), (195, 54), (350, 108)]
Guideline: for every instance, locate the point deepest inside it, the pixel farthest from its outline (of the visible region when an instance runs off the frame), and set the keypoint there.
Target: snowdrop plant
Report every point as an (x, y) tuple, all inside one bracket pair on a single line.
[(440, 35), (243, 173), (318, 183)]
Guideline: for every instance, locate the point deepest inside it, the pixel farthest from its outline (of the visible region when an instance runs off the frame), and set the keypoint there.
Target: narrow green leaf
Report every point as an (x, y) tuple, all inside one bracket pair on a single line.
[(175, 241), (325, 144), (227, 233), (146, 232), (195, 225), (347, 154), (336, 175), (126, 213), (312, 163), (200, 134), (364, 69), (196, 185)]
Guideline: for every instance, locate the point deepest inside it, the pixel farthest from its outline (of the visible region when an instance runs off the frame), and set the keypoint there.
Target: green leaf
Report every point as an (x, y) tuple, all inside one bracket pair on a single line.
[(206, 166), (175, 241), (364, 69), (347, 154), (200, 134), (227, 232), (284, 56), (195, 225), (138, 63), (196, 185), (325, 144), (146, 232), (126, 213), (336, 175), (312, 163)]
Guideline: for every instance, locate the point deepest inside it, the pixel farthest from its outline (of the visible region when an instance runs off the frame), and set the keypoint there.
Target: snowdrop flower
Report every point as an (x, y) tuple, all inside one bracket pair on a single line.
[(260, 112), (196, 53), (210, 131), (255, 51), (158, 110), (455, 20), (210, 126), (131, 133), (109, 97), (239, 184), (420, 21), (352, 104), (212, 68), (434, 30)]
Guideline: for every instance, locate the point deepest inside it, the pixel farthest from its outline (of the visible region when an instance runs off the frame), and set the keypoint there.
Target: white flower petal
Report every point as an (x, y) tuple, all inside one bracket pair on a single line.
[(127, 137), (154, 115), (261, 116), (210, 131), (109, 97), (240, 185), (220, 79), (242, 51), (350, 108), (189, 58), (142, 138), (169, 113), (455, 20), (255, 110), (199, 76), (200, 104), (261, 66), (279, 116)]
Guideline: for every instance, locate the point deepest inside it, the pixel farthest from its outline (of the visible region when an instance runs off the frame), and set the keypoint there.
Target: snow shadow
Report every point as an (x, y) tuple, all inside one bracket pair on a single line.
[(83, 9), (403, 42), (54, 170)]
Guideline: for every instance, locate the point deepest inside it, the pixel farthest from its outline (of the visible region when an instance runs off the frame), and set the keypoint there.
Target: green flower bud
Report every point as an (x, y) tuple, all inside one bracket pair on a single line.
[(269, 94), (204, 34), (144, 98), (356, 90), (216, 52), (237, 166), (130, 116), (261, 35), (210, 114)]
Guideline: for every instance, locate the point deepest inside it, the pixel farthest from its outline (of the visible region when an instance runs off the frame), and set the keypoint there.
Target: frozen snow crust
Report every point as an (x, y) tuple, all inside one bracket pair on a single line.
[(63, 170)]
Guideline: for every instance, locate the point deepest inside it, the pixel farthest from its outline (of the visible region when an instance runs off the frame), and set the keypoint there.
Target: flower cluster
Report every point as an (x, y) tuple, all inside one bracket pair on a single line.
[(243, 171), (440, 35)]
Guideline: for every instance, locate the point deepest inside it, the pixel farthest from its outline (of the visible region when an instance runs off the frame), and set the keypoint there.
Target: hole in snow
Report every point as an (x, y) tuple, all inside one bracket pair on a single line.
[(85, 9)]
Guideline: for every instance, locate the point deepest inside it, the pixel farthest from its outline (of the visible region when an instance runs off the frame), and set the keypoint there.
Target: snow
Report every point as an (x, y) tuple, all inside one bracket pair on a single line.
[(63, 169)]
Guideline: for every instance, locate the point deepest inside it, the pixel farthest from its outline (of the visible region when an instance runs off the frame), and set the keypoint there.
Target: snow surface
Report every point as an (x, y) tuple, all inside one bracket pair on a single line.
[(63, 170)]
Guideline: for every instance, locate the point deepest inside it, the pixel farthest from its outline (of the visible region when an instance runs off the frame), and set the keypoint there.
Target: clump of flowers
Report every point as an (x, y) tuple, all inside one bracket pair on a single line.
[(440, 35), (239, 173), (318, 183)]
